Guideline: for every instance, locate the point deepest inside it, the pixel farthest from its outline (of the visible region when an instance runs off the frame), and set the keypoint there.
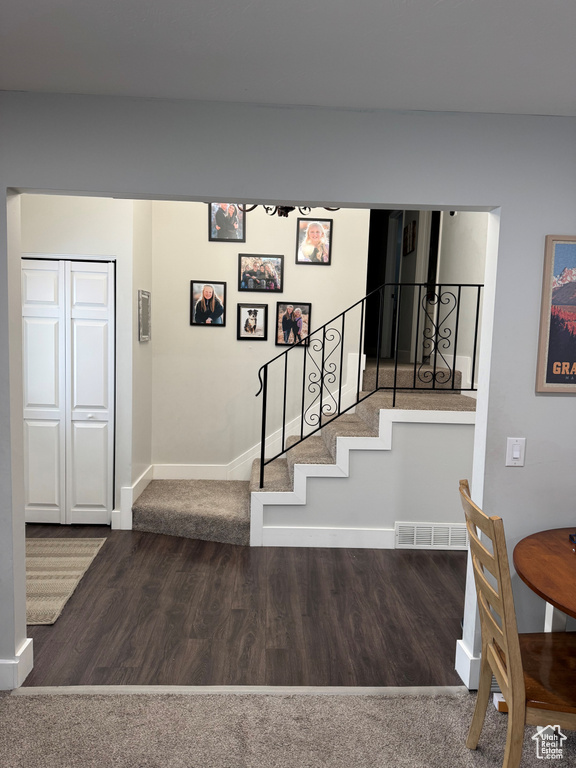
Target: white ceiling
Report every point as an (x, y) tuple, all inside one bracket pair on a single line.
[(509, 56)]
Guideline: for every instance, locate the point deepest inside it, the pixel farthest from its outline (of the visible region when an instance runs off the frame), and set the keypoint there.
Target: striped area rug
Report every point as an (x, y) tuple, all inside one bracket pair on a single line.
[(54, 568)]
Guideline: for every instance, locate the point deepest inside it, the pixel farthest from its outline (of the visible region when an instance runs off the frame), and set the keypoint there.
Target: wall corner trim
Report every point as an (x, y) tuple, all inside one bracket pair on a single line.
[(14, 671)]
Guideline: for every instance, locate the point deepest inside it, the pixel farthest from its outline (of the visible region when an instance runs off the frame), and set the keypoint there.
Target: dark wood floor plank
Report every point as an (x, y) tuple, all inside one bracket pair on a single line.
[(160, 610)]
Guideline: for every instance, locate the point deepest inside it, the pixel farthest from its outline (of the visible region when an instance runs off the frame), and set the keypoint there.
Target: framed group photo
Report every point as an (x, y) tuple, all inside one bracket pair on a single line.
[(260, 273), (226, 223), (292, 323), (207, 303), (556, 367), (314, 241), (252, 322)]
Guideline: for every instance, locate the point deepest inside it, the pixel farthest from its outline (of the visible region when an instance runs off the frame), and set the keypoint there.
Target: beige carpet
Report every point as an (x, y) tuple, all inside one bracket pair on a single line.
[(239, 730), (54, 568)]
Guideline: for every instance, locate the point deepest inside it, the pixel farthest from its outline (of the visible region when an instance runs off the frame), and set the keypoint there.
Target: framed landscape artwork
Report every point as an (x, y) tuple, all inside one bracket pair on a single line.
[(207, 303), (292, 323), (226, 223), (252, 322), (556, 368)]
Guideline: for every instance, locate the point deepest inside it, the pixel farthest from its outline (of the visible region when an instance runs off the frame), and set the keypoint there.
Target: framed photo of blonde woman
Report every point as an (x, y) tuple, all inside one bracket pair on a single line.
[(314, 241)]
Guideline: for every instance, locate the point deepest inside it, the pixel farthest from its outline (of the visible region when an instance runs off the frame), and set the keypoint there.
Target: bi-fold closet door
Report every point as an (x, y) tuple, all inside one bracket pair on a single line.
[(68, 374)]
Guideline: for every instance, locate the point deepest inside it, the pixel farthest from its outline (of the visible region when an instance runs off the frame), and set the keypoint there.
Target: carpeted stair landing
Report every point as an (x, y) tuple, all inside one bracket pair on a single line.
[(211, 510)]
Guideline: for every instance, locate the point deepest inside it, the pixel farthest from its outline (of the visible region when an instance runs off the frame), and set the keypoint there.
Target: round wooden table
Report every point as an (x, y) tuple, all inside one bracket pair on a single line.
[(546, 562)]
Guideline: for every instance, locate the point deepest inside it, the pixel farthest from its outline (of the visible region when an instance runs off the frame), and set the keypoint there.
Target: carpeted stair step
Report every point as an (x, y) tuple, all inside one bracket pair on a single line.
[(211, 510), (276, 476), (348, 425), (311, 451), (369, 409), (405, 376)]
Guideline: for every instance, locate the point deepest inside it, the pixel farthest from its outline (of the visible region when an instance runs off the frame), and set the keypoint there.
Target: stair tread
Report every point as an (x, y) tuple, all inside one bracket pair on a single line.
[(276, 477), (211, 510), (311, 451), (349, 425)]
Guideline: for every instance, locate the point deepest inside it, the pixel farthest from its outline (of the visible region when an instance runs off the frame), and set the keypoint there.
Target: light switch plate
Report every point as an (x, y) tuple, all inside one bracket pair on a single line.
[(515, 451)]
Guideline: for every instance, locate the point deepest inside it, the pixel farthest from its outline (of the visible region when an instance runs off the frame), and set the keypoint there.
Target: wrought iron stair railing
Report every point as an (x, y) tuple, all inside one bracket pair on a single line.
[(319, 378)]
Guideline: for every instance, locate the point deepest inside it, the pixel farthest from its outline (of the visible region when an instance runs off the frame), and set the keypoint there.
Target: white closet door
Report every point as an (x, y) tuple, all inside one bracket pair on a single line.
[(43, 339), (90, 392), (70, 457)]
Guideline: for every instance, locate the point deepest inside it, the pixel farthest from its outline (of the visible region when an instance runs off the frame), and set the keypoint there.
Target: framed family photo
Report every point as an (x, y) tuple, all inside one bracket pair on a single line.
[(207, 303), (226, 223), (556, 367), (314, 241), (252, 322), (292, 323), (260, 273)]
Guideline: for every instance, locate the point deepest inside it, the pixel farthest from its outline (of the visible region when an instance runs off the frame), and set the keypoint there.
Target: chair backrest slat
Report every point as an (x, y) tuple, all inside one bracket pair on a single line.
[(495, 600)]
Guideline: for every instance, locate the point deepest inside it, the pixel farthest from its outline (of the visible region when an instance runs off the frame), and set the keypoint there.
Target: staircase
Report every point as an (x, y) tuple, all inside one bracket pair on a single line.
[(220, 510), (335, 417)]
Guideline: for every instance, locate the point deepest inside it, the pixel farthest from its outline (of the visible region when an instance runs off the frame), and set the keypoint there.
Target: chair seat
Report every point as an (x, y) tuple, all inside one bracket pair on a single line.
[(549, 662)]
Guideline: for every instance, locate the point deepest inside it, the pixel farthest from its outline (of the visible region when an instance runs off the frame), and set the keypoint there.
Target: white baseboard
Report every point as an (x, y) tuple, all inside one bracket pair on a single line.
[(191, 472), (14, 671), (467, 666), (122, 518), (356, 538)]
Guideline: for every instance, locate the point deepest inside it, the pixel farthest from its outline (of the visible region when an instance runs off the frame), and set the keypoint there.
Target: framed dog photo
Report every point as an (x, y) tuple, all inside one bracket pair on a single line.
[(292, 323), (207, 303), (314, 241), (226, 223), (252, 322), (260, 273)]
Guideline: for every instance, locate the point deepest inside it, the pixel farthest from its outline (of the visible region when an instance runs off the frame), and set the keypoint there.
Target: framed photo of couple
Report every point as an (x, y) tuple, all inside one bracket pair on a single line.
[(314, 241), (226, 223), (292, 323)]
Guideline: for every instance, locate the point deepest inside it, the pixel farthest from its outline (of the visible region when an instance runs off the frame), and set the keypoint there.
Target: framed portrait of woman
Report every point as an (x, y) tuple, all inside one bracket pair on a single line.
[(226, 223), (207, 303), (258, 272), (314, 241), (292, 323)]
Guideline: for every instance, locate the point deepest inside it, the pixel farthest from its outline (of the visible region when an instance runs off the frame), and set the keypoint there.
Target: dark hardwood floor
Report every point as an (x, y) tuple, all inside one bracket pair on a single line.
[(160, 610)]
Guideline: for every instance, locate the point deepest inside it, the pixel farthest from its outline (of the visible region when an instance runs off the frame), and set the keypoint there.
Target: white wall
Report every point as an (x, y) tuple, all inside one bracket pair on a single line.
[(407, 483), (523, 165), (142, 360), (205, 411)]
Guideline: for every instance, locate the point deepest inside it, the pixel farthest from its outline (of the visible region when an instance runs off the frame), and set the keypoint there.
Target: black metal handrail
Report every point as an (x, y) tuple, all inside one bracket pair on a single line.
[(443, 319)]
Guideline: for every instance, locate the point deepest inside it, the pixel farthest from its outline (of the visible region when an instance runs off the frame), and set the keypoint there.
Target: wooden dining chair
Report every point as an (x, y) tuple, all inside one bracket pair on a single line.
[(536, 672)]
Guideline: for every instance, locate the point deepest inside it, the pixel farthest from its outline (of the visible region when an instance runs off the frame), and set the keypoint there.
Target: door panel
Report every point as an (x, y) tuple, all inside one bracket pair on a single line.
[(44, 470), (90, 361), (41, 357), (88, 489)]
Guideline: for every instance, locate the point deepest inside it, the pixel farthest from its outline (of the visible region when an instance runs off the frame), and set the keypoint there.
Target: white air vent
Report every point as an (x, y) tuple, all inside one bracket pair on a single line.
[(431, 536)]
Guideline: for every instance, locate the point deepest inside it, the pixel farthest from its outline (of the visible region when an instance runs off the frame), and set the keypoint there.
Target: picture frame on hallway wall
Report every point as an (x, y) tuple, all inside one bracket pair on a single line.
[(252, 322), (144, 316), (292, 323), (556, 366), (208, 303), (260, 272), (226, 223), (314, 241)]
